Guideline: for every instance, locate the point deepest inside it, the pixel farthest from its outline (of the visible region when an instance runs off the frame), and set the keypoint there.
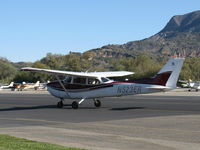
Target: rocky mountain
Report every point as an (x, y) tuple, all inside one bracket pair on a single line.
[(181, 36), (184, 23)]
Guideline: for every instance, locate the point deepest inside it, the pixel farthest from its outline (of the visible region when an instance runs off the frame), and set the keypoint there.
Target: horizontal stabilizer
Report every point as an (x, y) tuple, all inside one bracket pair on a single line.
[(159, 88)]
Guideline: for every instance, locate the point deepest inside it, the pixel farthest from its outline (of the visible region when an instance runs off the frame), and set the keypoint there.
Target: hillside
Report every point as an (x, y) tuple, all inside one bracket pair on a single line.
[(180, 36)]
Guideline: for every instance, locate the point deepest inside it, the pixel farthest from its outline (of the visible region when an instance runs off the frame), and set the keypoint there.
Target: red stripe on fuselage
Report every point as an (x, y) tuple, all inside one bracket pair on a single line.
[(159, 79), (74, 87)]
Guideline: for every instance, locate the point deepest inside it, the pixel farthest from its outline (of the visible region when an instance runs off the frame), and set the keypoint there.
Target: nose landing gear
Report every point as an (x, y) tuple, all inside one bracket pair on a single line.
[(75, 105)]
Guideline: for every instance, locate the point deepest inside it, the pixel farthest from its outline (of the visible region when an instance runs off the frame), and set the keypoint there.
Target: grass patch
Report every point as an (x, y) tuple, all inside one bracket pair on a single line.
[(14, 143)]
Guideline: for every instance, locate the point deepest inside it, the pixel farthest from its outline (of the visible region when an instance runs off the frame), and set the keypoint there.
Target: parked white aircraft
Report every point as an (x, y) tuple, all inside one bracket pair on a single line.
[(94, 85), (25, 86), (194, 86), (7, 86), (187, 83)]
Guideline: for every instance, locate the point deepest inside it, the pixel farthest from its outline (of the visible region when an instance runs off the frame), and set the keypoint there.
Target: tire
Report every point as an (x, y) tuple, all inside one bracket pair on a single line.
[(97, 103), (74, 105), (60, 104)]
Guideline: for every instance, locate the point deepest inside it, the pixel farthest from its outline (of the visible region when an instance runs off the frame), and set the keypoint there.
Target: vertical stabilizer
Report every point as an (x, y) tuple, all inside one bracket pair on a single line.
[(11, 84), (37, 83), (174, 66)]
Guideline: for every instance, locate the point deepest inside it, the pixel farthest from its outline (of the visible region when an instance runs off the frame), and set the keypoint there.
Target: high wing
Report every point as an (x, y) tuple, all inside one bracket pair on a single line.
[(83, 74)]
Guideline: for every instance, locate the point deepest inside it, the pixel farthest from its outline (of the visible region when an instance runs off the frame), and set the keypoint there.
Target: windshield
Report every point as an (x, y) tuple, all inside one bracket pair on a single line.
[(104, 79)]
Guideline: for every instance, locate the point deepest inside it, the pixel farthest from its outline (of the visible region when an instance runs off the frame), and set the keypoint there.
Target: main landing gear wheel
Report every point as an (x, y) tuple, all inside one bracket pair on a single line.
[(75, 105), (60, 104), (97, 103)]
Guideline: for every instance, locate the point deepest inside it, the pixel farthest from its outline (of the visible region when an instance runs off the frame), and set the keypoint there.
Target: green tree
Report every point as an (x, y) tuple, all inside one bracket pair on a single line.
[(43, 77), (23, 76), (54, 61), (7, 71), (143, 66)]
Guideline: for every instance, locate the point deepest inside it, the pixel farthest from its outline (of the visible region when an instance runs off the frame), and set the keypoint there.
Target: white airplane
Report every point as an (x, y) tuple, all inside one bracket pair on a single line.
[(192, 85), (25, 86), (7, 86), (188, 84), (94, 85), (195, 85)]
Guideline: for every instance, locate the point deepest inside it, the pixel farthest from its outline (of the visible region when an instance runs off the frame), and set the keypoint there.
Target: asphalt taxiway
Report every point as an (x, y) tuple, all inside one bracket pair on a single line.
[(155, 121)]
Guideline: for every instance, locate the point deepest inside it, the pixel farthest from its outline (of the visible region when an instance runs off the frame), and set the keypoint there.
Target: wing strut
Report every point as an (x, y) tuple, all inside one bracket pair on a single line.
[(62, 85)]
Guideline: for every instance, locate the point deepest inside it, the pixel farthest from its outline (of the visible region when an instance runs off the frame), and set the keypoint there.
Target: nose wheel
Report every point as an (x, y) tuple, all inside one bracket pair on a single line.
[(75, 105)]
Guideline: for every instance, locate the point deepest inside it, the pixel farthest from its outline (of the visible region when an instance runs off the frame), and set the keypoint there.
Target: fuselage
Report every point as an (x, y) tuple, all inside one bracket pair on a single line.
[(76, 91)]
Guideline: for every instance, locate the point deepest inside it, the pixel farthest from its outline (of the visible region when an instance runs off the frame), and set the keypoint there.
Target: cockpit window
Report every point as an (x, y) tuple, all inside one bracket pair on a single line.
[(104, 79)]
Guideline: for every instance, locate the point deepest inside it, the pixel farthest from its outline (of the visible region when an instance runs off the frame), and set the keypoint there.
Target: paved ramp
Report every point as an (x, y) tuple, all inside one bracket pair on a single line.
[(150, 122)]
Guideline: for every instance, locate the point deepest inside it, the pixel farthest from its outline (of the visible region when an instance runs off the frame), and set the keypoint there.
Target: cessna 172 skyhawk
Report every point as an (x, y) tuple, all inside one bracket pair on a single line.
[(94, 85)]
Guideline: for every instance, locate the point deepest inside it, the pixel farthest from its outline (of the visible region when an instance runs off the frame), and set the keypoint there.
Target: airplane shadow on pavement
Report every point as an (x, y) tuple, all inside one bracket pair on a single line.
[(68, 107), (28, 108), (126, 108)]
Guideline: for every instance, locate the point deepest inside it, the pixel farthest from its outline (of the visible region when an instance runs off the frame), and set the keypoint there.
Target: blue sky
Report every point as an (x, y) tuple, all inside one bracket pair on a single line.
[(29, 29)]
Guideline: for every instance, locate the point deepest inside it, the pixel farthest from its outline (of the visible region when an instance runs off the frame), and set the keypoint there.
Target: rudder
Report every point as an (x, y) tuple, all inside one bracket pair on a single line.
[(174, 66)]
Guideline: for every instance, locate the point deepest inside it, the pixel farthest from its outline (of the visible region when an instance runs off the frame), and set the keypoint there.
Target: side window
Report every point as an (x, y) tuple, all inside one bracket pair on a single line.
[(93, 81), (68, 79), (78, 80), (97, 81)]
